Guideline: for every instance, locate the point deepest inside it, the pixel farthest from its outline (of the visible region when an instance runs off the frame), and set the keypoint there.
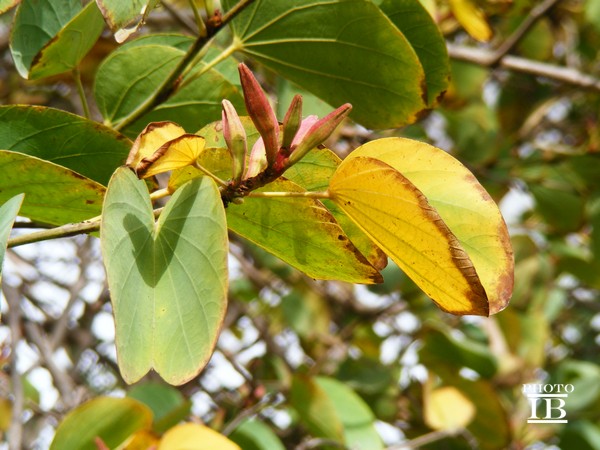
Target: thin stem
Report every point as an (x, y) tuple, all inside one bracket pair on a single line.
[(171, 83), (316, 195), (84, 103), (199, 21), (70, 229), (161, 193), (423, 440), (226, 53), (15, 431)]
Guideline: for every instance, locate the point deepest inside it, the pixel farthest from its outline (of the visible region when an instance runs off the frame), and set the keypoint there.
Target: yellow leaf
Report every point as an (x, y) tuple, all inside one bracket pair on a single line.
[(191, 436), (151, 139), (472, 19), (463, 204), (398, 217), (175, 154), (447, 409)]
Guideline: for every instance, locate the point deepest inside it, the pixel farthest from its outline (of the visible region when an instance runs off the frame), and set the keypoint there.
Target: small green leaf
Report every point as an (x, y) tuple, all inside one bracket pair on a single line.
[(82, 145), (168, 404), (49, 38), (341, 51), (315, 409), (54, 194), (254, 435), (168, 280), (113, 420), (303, 233), (330, 409), (8, 214)]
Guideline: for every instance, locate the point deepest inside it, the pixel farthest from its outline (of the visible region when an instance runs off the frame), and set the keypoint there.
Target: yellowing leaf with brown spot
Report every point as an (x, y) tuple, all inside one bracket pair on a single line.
[(151, 139), (463, 204), (398, 217), (448, 409), (192, 436), (472, 19)]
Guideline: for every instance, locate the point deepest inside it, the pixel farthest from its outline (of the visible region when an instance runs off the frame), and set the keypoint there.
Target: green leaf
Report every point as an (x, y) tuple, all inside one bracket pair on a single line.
[(331, 410), (111, 419), (124, 17), (168, 280), (342, 51), (49, 38), (302, 233), (254, 435), (168, 405), (413, 20), (8, 214), (315, 409), (441, 348), (82, 145), (130, 76), (54, 194)]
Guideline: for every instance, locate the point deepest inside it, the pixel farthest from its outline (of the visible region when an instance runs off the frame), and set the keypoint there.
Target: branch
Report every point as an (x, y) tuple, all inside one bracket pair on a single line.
[(15, 431), (170, 84), (562, 74), (68, 230)]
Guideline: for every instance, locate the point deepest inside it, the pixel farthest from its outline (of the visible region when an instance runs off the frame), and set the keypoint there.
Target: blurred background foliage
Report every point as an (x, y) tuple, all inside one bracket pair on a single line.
[(301, 361)]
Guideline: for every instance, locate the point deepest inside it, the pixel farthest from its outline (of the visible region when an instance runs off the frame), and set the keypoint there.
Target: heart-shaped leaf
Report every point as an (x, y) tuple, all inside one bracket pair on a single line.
[(168, 279)]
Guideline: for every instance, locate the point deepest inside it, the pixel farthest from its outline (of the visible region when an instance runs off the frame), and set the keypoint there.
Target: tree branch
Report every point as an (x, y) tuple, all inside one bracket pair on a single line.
[(554, 72), (170, 84)]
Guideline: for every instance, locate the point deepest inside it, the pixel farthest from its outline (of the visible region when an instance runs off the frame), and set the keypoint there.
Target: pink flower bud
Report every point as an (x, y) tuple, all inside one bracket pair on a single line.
[(260, 112), (235, 137)]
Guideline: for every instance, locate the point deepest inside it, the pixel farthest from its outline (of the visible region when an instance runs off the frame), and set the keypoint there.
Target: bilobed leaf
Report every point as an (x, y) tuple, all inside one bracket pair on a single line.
[(340, 50), (8, 214), (301, 232), (413, 20), (193, 436), (168, 280), (49, 38), (463, 204), (124, 17), (54, 194), (448, 409), (161, 147), (111, 419), (84, 146), (398, 217)]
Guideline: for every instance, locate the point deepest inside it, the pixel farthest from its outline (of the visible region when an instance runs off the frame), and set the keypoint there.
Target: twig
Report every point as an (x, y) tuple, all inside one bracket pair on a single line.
[(15, 431), (534, 15), (170, 84), (64, 384), (179, 18), (70, 229), (554, 72), (268, 400), (424, 440)]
